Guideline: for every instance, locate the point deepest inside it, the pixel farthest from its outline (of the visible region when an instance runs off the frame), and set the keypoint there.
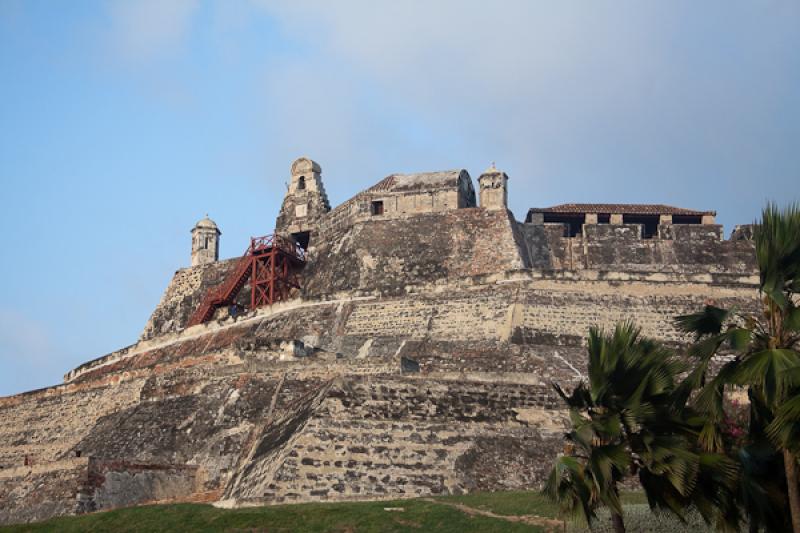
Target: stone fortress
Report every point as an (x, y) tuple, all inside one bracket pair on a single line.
[(415, 358)]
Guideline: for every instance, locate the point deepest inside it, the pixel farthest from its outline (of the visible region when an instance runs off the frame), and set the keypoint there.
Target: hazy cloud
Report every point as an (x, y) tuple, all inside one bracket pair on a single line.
[(143, 30), (601, 101), (21, 336)]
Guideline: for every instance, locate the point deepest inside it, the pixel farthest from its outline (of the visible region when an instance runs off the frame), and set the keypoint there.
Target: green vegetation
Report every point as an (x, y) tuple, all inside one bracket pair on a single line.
[(630, 419), (514, 512), (521, 503), (673, 423), (766, 364), (366, 517)]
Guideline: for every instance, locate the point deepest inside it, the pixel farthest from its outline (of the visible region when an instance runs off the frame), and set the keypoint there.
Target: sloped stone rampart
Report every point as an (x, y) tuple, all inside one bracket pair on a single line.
[(402, 437)]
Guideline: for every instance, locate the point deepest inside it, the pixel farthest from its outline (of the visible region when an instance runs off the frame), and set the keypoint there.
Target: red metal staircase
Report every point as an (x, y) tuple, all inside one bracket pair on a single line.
[(271, 265)]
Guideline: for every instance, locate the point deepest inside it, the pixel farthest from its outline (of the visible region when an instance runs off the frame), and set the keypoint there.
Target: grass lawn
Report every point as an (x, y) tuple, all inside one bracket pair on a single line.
[(357, 517), (524, 503), (437, 514)]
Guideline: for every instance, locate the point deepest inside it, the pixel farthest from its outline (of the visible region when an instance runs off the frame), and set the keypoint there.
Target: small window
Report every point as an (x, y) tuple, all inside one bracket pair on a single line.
[(377, 207), (301, 183), (205, 243), (603, 218)]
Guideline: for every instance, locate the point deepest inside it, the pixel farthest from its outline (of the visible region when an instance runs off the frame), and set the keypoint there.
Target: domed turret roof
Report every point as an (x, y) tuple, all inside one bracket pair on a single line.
[(493, 170), (303, 165), (206, 223)]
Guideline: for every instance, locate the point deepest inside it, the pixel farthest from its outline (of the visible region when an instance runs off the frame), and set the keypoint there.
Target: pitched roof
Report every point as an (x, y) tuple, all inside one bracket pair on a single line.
[(624, 209), (421, 180)]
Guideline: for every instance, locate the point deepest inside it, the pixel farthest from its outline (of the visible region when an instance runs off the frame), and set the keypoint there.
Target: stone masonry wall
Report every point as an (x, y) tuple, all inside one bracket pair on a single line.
[(183, 295), (387, 255), (620, 247), (38, 492), (389, 437)]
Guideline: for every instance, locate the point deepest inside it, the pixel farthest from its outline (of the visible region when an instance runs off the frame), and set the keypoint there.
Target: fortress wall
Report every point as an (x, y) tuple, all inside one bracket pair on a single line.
[(526, 310), (183, 295), (572, 313), (387, 255), (84, 484), (398, 202), (534, 364), (417, 359), (204, 421), (482, 355), (273, 439), (677, 248), (393, 437), (35, 493), (45, 426), (112, 484)]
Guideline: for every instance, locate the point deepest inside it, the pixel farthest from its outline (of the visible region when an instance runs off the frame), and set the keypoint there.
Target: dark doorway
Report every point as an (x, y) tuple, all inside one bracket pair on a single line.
[(301, 183), (302, 238), (377, 207)]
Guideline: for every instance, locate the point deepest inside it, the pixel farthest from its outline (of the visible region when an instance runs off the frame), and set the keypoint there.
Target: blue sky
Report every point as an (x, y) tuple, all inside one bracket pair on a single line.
[(123, 123)]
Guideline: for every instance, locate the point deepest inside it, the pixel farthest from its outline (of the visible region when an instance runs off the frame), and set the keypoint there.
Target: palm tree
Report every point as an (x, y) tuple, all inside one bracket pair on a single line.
[(765, 344), (625, 422)]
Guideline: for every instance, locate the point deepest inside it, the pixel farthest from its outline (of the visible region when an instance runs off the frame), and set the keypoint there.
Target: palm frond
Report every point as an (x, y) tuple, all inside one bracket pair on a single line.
[(784, 430), (777, 240), (766, 369), (709, 321)]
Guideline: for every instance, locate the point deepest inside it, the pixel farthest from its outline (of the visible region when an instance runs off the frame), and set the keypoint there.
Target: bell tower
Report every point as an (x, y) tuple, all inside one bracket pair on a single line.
[(305, 202)]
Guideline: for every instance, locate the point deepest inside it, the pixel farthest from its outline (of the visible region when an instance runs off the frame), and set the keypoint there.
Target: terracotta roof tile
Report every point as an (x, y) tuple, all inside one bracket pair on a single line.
[(624, 209)]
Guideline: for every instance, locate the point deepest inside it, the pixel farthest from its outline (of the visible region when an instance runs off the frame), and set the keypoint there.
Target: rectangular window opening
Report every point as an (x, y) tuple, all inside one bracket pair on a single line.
[(302, 238), (377, 207), (687, 219), (573, 224), (649, 223)]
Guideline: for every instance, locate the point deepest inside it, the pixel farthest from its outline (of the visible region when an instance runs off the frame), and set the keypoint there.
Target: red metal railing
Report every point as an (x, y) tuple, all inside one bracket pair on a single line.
[(286, 244), (270, 263)]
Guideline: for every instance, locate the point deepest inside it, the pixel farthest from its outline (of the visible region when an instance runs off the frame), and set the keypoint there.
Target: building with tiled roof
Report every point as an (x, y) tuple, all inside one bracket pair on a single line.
[(625, 209), (649, 216)]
